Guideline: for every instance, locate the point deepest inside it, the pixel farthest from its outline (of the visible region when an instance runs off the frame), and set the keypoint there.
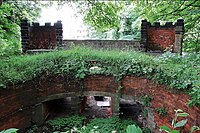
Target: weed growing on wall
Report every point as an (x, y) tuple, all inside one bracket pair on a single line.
[(162, 111), (177, 72)]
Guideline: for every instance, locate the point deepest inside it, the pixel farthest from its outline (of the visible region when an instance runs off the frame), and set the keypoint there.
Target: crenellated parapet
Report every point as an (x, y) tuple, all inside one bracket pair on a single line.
[(35, 36), (158, 37)]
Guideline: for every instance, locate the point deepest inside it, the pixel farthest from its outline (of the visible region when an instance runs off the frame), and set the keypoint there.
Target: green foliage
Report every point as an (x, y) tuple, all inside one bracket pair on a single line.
[(130, 22), (78, 124), (11, 14), (162, 111), (145, 113), (146, 130), (103, 16), (33, 129), (9, 32), (112, 20), (133, 129), (10, 130), (175, 71), (108, 125), (124, 17), (63, 124), (177, 124), (195, 93), (146, 100)]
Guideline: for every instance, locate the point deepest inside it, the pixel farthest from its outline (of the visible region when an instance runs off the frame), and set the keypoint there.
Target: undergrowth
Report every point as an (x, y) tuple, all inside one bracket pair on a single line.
[(180, 72), (79, 125)]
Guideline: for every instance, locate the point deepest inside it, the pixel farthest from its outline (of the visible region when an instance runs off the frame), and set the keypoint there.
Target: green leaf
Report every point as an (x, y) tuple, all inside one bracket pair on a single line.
[(11, 130), (165, 128), (133, 129), (174, 131), (183, 114), (180, 123), (194, 128)]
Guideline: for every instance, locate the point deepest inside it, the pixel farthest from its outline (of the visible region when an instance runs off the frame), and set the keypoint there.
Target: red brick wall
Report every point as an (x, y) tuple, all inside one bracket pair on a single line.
[(160, 38), (42, 37), (100, 83), (17, 102), (137, 86)]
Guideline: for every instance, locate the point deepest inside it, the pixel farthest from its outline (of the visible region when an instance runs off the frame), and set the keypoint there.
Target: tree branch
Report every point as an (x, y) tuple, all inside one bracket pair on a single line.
[(179, 10)]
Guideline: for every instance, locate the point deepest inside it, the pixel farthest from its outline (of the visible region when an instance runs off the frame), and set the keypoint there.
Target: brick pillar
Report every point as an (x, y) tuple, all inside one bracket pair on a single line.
[(143, 43), (179, 32), (75, 105), (37, 114), (25, 34), (115, 105), (59, 33)]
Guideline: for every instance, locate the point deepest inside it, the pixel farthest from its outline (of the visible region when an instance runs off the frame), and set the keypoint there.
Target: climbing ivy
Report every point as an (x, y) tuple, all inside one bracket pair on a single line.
[(180, 72)]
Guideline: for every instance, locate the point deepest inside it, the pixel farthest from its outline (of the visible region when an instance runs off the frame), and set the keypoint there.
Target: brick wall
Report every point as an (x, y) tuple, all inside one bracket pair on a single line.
[(106, 44), (159, 37), (161, 97), (153, 37), (21, 103), (41, 37)]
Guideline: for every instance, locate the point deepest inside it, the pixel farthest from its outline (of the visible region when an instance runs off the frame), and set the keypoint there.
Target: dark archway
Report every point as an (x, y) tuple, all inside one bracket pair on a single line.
[(56, 108)]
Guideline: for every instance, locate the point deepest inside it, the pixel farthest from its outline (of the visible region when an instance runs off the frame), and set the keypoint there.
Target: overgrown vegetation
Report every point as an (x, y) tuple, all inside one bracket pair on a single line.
[(175, 71), (78, 124), (67, 123)]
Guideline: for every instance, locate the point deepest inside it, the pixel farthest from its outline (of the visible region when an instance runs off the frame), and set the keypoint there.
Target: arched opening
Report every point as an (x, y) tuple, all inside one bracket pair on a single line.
[(130, 109), (56, 108)]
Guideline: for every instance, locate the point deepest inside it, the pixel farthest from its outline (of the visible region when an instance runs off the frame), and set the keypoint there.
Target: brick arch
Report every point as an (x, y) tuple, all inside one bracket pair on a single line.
[(56, 96)]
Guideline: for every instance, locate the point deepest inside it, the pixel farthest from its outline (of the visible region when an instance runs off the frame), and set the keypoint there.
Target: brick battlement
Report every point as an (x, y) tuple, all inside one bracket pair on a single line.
[(155, 38), (36, 36), (158, 37)]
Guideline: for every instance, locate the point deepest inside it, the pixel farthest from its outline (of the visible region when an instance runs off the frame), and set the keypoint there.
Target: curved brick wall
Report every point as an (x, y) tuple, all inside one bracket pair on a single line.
[(20, 103)]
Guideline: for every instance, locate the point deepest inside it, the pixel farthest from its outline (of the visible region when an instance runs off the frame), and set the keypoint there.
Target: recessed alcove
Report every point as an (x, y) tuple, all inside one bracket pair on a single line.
[(130, 109), (56, 108)]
